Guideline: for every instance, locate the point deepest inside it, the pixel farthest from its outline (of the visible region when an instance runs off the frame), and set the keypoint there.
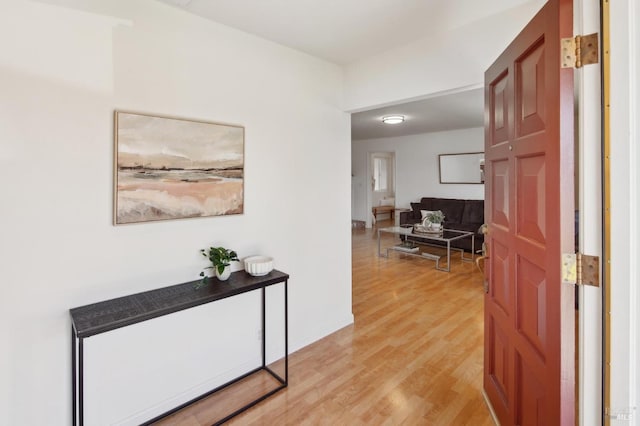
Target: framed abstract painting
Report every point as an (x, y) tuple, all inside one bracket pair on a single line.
[(171, 168)]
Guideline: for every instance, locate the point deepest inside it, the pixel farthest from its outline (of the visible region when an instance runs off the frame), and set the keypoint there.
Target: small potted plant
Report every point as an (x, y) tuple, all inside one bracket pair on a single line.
[(434, 219), (221, 259)]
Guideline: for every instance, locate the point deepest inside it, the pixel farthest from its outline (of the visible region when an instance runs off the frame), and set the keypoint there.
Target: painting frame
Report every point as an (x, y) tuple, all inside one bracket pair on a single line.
[(169, 168), (461, 168)]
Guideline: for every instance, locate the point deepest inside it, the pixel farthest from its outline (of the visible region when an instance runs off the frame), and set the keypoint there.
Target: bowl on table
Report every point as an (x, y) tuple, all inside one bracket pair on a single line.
[(258, 265)]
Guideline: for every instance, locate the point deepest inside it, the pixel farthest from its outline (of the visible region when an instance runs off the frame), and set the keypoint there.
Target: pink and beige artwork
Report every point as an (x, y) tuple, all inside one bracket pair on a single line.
[(169, 168)]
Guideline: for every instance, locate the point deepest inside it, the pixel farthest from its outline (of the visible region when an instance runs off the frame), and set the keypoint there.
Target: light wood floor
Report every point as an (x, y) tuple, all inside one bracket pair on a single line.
[(413, 356)]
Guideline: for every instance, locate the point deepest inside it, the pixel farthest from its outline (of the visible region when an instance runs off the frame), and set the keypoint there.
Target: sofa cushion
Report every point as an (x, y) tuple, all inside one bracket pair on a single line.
[(407, 218), (471, 227), (451, 208), (424, 213), (413, 214), (473, 211), (426, 203)]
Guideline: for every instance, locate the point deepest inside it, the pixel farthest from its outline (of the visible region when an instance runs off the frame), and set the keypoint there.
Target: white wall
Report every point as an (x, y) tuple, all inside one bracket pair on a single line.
[(449, 60), (62, 73), (417, 173)]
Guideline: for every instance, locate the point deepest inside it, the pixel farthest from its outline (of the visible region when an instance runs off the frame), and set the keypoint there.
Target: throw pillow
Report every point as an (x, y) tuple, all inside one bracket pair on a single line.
[(424, 213)]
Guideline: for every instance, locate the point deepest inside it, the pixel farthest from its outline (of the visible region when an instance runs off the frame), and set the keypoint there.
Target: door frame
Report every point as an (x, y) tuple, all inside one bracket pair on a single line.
[(620, 383), (622, 298), (589, 173), (369, 198)]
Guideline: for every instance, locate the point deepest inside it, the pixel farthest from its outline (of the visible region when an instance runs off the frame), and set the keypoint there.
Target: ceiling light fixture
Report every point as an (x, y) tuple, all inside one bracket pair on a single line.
[(393, 119)]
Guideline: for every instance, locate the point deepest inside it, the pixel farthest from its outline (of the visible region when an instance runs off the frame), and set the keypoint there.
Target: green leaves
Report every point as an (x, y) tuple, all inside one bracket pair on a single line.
[(220, 257), (435, 217)]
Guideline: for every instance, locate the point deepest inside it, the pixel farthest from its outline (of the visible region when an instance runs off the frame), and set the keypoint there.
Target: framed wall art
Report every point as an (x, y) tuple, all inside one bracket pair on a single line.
[(467, 167), (172, 168)]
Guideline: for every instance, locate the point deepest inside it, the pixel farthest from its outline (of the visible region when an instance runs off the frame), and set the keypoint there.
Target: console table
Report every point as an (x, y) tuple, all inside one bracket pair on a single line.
[(97, 318)]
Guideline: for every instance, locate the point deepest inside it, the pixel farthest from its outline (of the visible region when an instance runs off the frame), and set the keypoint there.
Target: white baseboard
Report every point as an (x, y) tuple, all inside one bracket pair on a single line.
[(187, 395)]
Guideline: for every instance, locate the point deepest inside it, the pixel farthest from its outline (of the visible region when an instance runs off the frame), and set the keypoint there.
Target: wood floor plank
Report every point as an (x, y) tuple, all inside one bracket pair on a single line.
[(412, 357)]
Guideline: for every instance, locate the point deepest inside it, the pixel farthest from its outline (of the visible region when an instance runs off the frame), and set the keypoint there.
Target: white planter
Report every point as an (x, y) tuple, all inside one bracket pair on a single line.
[(225, 274), (435, 226)]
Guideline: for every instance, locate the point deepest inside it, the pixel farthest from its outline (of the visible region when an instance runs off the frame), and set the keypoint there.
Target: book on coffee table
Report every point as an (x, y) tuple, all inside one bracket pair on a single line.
[(405, 248)]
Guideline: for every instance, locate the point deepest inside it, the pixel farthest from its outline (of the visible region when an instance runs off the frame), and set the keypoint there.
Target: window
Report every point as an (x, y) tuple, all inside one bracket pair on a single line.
[(381, 174)]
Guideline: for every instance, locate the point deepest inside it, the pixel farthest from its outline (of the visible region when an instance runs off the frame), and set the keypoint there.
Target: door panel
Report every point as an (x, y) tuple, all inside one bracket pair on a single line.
[(499, 178), (532, 405), (500, 291), (529, 341), (531, 305), (499, 110), (531, 198), (499, 365), (530, 89)]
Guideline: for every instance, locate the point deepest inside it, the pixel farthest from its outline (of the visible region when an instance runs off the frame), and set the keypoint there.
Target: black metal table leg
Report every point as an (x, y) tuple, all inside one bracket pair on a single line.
[(286, 332), (264, 329), (81, 381), (73, 376)]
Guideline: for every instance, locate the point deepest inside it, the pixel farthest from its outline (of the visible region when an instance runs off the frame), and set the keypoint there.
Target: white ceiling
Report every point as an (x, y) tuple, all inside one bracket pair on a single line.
[(346, 31), (453, 111)]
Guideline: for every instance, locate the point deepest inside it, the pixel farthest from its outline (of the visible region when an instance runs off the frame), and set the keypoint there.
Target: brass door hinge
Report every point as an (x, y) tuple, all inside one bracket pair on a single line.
[(579, 51), (580, 269)]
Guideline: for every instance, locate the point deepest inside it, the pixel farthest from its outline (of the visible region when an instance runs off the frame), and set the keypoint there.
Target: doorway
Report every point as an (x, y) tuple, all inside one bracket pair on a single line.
[(382, 184)]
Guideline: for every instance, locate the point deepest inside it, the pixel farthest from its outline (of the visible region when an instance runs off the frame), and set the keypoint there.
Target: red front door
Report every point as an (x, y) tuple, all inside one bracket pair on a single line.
[(529, 317)]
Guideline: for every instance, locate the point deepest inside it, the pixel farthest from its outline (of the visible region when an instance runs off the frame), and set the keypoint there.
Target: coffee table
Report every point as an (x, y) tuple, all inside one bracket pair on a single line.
[(412, 238)]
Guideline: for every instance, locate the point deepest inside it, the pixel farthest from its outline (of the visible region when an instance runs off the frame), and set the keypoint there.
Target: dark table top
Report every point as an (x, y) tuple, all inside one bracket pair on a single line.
[(104, 316)]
